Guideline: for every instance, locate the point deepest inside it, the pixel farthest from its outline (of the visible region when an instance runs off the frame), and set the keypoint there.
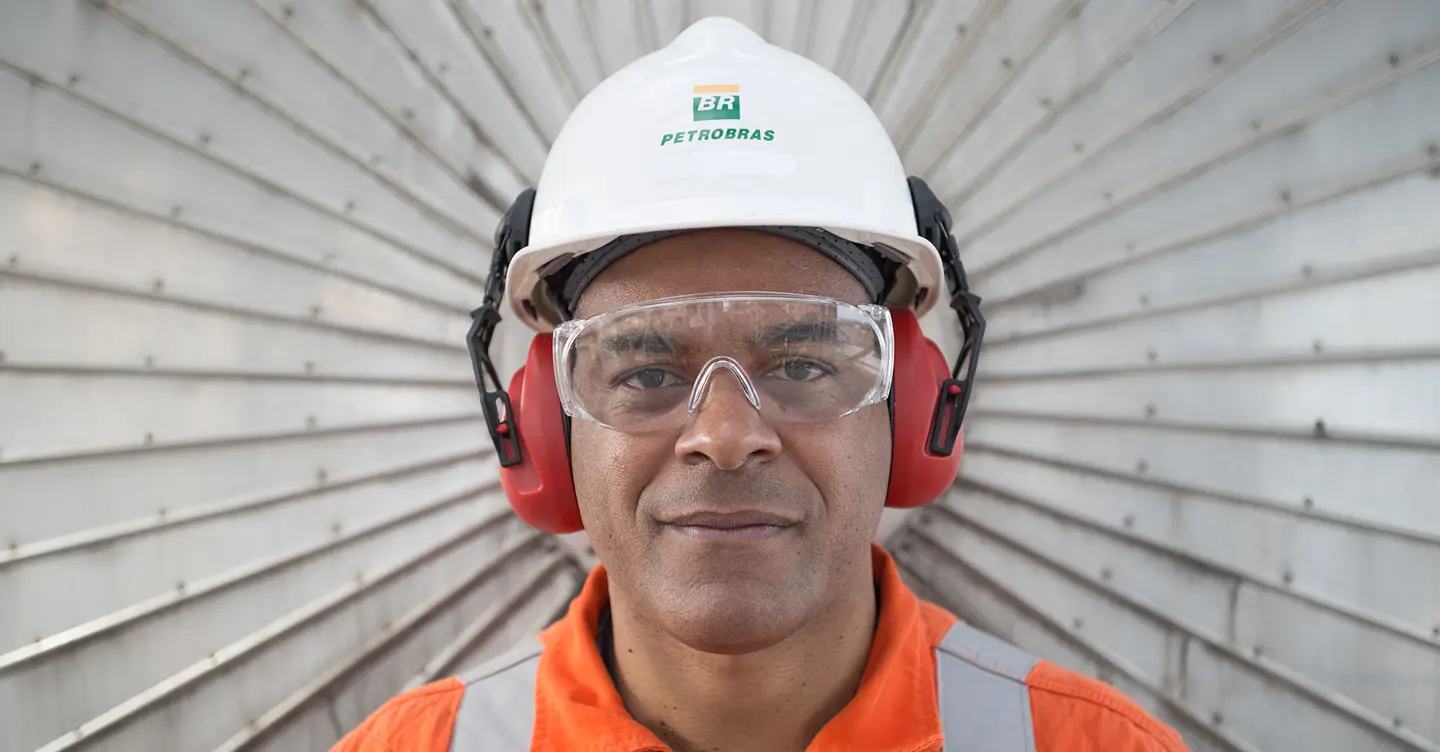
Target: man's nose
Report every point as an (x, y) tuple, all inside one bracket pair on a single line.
[(725, 428)]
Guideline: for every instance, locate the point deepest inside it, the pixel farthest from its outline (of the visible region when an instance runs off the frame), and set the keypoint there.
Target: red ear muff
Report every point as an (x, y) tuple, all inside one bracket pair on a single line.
[(918, 476), (540, 487)]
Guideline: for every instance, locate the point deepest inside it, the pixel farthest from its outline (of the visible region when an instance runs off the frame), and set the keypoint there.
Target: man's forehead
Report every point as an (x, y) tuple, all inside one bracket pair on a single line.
[(718, 261)]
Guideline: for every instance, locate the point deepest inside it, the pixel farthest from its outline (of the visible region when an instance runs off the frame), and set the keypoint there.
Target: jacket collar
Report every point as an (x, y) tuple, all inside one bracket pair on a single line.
[(895, 708)]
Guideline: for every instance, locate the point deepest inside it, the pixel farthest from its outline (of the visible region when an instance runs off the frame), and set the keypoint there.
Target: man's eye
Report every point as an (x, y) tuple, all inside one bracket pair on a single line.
[(649, 378), (800, 370)]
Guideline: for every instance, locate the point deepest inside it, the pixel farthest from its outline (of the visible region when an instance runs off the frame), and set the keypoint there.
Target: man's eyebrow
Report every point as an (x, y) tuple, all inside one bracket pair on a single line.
[(799, 331), (647, 342)]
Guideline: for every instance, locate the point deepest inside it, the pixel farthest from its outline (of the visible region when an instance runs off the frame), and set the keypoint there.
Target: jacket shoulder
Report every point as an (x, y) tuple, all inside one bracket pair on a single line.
[(1075, 713), (421, 719)]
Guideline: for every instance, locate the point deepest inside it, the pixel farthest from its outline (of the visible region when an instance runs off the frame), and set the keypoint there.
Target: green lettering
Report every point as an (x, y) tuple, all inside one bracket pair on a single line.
[(769, 135), (667, 138), (730, 133), (756, 134), (692, 135), (717, 134), (744, 133), (704, 135)]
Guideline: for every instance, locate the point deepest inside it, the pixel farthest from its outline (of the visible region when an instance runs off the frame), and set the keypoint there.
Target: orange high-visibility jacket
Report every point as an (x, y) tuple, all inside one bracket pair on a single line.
[(931, 682)]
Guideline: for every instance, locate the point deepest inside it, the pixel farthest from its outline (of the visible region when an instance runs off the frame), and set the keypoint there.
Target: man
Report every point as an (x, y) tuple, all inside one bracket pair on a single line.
[(726, 263)]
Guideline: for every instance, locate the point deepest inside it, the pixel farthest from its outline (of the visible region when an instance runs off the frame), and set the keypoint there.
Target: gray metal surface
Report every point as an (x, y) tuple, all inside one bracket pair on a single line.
[(246, 496)]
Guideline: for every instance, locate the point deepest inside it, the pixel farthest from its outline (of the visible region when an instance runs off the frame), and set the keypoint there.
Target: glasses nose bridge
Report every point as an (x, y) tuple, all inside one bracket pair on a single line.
[(707, 373)]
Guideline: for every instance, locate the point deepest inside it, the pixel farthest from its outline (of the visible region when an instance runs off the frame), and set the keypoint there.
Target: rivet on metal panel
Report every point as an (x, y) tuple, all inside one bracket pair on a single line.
[(1217, 58), (315, 311), (162, 513), (961, 29), (180, 586), (376, 160), (243, 74), (1130, 246), (1320, 429), (1435, 174), (1079, 147), (408, 113), (1398, 722), (288, 11), (158, 286), (327, 259), (2, 356), (1150, 410), (1106, 574), (1285, 195), (1144, 301), (309, 366), (1255, 124), (1007, 63), (1109, 196), (14, 260), (149, 361), (335, 528), (1078, 623), (1434, 633), (1142, 467), (1309, 502), (14, 544), (175, 211), (149, 439), (1307, 270), (311, 422), (1287, 576), (73, 79), (321, 476), (1317, 346), (204, 139), (359, 578), (443, 68), (487, 31), (1217, 718), (1130, 520), (1258, 650), (35, 168), (1046, 102), (1394, 60), (1152, 356), (350, 206)]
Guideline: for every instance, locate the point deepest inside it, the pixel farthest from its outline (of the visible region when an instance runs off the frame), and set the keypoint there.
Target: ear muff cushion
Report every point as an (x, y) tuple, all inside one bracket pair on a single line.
[(917, 477), (540, 488)]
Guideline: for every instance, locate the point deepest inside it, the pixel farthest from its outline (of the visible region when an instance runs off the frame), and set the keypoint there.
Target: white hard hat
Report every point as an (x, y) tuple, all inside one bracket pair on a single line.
[(722, 129)]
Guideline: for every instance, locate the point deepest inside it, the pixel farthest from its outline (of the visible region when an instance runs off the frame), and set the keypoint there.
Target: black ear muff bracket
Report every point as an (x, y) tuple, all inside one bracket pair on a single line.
[(511, 235), (933, 222)]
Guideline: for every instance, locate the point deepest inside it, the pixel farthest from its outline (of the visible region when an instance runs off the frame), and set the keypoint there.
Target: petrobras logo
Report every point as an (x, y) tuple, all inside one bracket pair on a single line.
[(717, 102)]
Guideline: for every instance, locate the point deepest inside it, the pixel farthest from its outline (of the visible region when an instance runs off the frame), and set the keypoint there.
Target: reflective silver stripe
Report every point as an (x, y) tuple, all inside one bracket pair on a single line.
[(984, 702), (497, 713)]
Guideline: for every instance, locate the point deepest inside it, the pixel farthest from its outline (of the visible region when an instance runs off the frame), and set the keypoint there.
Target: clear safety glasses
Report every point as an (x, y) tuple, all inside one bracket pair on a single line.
[(794, 358)]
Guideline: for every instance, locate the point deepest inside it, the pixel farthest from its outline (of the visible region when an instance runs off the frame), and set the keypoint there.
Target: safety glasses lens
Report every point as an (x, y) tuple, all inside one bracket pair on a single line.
[(794, 358)]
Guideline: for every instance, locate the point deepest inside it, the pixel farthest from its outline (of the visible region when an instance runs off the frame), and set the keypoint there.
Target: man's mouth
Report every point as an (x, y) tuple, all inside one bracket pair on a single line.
[(731, 526)]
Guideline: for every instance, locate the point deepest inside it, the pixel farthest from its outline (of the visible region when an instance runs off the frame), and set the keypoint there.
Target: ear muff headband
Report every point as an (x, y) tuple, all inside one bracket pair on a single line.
[(927, 401)]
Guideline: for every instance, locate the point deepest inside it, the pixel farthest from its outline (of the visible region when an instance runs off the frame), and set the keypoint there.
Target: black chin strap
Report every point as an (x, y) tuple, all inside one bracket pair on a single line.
[(512, 235), (934, 222)]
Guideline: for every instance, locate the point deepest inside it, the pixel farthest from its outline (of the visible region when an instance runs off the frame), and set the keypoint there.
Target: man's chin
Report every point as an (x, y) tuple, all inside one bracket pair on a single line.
[(732, 618)]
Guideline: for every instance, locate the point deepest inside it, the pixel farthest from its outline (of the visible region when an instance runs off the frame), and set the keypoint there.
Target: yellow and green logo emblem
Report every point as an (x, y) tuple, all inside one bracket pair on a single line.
[(717, 102)]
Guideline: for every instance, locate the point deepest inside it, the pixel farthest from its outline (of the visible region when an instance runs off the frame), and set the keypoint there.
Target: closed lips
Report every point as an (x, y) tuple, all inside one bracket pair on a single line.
[(731, 520)]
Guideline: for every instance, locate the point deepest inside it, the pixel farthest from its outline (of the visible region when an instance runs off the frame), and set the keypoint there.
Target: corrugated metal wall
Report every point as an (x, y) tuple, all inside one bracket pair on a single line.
[(245, 495)]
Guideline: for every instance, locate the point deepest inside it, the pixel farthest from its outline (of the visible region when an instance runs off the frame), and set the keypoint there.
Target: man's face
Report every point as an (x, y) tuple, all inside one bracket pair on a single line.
[(830, 478)]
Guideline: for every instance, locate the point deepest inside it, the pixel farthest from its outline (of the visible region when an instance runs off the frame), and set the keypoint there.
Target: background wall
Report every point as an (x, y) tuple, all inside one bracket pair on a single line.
[(246, 494)]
